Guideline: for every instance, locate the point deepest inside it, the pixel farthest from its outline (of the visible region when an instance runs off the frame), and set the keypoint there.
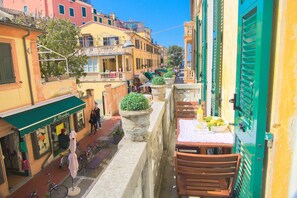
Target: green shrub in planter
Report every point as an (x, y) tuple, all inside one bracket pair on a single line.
[(167, 75), (158, 81), (134, 102), (169, 69)]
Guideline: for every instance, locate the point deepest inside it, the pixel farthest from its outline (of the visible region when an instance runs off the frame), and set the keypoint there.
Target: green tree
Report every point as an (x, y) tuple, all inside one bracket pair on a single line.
[(61, 36), (175, 55)]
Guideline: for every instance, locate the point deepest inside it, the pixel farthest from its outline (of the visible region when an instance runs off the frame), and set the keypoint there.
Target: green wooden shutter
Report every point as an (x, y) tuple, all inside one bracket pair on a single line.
[(197, 49), (6, 64), (252, 74), (216, 81), (204, 49)]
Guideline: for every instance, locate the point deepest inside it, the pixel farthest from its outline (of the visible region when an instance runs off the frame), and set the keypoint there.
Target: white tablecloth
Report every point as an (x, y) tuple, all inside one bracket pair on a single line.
[(189, 132)]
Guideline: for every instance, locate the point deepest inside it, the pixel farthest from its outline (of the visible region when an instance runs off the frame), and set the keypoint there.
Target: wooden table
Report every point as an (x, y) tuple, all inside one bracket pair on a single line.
[(190, 137)]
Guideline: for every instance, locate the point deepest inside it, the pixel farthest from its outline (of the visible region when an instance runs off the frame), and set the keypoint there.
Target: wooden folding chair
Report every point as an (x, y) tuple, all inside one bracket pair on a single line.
[(206, 175)]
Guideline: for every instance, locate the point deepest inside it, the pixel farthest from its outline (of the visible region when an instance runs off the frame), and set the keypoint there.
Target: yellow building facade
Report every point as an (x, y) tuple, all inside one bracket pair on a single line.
[(279, 163), (110, 62), (28, 131)]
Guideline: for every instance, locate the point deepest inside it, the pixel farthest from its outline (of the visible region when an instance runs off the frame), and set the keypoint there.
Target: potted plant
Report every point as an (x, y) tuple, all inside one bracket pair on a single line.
[(169, 80), (158, 89), (135, 112)]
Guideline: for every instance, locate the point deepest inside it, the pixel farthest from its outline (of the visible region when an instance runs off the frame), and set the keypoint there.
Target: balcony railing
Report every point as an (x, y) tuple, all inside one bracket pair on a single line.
[(108, 76), (105, 50), (188, 28)]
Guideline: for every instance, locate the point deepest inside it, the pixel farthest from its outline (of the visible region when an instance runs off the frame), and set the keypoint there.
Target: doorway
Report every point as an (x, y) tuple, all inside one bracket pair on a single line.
[(16, 169)]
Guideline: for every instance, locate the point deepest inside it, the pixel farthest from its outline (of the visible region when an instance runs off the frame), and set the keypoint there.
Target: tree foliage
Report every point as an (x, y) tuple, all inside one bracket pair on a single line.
[(62, 37), (175, 55)]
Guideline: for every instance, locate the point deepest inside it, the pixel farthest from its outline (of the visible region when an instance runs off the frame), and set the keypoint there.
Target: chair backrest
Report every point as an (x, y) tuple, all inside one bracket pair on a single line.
[(186, 109), (206, 175)]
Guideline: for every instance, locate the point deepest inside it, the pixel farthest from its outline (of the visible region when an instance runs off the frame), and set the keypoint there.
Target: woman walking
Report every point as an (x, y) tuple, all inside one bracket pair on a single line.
[(93, 122)]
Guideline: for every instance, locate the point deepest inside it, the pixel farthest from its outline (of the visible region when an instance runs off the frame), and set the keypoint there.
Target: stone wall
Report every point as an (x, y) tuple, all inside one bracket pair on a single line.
[(136, 170), (112, 97)]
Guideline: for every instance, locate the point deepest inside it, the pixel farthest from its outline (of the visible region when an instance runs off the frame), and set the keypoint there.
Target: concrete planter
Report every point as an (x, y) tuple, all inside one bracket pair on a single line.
[(169, 82), (158, 92), (136, 123)]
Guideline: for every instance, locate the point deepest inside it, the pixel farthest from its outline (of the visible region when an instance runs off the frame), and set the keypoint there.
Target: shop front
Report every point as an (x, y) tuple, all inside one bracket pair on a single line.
[(37, 135)]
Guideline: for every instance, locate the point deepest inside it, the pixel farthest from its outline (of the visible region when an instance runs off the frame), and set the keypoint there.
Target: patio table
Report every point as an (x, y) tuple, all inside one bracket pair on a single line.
[(189, 136)]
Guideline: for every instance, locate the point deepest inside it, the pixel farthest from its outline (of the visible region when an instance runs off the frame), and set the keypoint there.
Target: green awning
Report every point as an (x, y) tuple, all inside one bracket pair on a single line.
[(35, 118)]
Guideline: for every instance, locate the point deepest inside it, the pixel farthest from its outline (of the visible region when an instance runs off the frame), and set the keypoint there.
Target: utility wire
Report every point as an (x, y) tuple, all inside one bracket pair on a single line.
[(167, 29)]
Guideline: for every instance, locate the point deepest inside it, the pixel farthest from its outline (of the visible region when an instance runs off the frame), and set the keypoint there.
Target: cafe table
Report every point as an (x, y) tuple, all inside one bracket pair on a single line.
[(192, 137)]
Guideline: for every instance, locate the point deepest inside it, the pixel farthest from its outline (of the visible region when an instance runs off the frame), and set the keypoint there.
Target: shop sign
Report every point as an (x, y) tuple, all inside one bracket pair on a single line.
[(61, 116)]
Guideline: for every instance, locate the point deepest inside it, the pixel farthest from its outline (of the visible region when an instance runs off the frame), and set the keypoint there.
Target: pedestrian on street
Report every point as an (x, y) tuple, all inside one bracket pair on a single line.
[(93, 122), (63, 140), (97, 111)]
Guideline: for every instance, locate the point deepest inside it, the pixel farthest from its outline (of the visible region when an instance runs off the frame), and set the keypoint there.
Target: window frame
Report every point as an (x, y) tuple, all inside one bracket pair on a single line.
[(17, 83), (76, 122), (71, 8), (82, 12), (25, 9), (60, 9), (88, 66), (34, 140)]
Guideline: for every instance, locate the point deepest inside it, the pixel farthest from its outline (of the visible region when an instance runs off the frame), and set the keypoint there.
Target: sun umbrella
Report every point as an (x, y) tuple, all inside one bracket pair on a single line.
[(73, 163)]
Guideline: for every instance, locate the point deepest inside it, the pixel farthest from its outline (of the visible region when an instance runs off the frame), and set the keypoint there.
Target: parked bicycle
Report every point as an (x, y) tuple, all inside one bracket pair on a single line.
[(55, 190), (83, 157)]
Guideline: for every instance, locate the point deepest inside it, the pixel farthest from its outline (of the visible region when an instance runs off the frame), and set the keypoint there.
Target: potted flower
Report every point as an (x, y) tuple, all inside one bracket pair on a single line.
[(158, 89), (169, 80), (135, 112)]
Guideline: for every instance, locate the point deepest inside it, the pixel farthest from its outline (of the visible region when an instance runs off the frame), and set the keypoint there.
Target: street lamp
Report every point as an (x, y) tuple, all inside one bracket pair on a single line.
[(129, 45)]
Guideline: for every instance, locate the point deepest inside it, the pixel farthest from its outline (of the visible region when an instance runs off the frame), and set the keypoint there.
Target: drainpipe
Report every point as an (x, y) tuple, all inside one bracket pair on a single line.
[(27, 67)]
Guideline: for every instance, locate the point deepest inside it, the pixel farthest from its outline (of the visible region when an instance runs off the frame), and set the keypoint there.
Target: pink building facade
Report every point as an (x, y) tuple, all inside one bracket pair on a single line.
[(77, 11)]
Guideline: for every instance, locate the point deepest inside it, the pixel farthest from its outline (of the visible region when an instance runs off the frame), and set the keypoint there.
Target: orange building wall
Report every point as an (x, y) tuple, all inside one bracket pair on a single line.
[(113, 97)]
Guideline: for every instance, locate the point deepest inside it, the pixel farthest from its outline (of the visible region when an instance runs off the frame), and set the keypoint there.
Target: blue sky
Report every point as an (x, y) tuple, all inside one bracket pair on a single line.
[(158, 15)]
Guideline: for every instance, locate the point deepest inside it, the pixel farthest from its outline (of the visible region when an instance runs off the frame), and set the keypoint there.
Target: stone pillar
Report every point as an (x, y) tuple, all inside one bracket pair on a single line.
[(186, 54), (117, 63), (123, 63)]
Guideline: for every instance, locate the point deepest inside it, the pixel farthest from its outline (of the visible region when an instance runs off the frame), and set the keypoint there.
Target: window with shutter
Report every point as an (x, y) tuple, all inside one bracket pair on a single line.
[(252, 78), (204, 48), (216, 80), (6, 64)]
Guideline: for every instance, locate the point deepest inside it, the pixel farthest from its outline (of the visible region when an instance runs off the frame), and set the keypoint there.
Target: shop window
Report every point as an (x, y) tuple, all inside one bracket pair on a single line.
[(6, 64), (55, 131), (40, 142), (79, 120)]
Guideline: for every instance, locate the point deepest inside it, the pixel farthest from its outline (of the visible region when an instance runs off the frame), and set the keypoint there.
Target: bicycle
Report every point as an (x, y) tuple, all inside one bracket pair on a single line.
[(85, 157), (56, 190)]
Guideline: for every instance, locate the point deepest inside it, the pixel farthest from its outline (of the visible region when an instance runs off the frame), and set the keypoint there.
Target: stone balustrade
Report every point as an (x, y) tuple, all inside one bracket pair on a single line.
[(137, 169)]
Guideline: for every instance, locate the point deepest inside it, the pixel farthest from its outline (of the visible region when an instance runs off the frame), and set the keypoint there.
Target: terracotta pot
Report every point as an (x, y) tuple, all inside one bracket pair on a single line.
[(169, 82), (136, 123), (158, 92)]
